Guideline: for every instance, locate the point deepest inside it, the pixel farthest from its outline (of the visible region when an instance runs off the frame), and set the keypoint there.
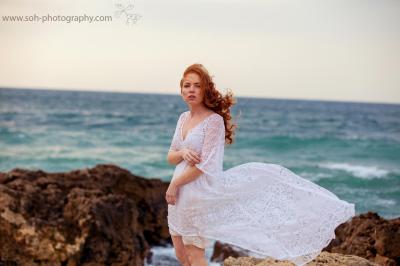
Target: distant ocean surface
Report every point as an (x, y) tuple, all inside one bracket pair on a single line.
[(352, 149)]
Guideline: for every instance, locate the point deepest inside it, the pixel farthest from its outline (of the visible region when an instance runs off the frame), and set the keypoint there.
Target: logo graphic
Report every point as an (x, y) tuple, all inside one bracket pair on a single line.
[(126, 12)]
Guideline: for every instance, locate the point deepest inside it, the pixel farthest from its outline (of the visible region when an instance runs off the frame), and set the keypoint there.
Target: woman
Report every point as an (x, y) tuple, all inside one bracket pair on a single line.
[(262, 207)]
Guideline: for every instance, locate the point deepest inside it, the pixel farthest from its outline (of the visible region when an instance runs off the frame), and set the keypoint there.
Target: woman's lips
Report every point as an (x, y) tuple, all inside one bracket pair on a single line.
[(192, 97)]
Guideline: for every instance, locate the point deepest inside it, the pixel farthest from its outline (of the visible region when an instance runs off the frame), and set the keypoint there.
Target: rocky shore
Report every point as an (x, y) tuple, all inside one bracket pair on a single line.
[(106, 215)]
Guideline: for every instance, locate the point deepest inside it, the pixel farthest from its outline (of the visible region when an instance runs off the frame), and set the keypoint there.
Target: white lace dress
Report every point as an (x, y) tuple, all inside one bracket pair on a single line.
[(262, 207)]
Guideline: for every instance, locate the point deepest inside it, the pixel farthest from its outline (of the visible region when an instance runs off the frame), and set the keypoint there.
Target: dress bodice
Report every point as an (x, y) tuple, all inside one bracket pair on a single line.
[(207, 138)]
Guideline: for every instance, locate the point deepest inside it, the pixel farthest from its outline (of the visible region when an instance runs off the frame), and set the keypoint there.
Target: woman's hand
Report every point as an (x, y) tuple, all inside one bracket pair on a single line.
[(191, 157), (172, 193)]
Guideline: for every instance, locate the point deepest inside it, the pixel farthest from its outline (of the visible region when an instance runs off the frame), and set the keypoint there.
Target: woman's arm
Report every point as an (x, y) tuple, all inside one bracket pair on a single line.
[(189, 174), (175, 157), (175, 153)]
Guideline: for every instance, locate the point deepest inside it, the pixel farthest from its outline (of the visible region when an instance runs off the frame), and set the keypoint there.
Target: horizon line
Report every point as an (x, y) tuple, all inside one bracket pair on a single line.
[(174, 94)]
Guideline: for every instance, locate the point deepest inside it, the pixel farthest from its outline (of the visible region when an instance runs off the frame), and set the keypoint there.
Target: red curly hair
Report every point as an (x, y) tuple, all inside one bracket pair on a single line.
[(213, 99)]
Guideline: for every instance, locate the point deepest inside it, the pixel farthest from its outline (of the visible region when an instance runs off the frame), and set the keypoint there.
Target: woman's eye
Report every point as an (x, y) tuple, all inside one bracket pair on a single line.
[(188, 86)]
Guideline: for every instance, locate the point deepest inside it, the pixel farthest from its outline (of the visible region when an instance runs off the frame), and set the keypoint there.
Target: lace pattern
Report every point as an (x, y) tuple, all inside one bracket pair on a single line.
[(264, 208), (212, 150)]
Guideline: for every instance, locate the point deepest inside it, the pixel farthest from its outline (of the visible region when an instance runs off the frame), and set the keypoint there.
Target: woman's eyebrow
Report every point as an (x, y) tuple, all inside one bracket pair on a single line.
[(193, 83)]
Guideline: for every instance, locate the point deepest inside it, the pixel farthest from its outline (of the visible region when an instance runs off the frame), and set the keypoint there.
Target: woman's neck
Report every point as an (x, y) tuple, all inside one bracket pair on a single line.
[(197, 111)]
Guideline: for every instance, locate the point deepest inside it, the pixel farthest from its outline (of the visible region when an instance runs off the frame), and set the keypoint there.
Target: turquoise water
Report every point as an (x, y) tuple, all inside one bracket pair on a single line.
[(352, 149)]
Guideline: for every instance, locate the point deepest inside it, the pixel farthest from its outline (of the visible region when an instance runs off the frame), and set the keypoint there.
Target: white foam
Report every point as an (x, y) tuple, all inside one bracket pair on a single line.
[(166, 256), (361, 171), (386, 202), (314, 177)]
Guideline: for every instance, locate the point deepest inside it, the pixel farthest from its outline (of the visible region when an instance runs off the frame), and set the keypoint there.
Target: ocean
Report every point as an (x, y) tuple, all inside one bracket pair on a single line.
[(350, 148)]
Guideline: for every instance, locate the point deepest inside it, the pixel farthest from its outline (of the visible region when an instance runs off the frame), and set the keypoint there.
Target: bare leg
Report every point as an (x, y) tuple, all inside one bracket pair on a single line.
[(196, 255), (180, 251)]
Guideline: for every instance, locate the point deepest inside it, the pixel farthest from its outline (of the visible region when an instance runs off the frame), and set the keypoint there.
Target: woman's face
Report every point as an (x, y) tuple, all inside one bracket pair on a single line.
[(191, 91)]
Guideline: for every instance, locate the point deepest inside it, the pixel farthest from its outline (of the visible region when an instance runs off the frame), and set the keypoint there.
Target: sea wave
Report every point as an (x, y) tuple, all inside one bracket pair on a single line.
[(360, 171)]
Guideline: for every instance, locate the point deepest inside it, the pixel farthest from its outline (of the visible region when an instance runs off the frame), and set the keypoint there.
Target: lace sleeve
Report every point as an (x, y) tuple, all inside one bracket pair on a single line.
[(175, 144), (212, 151)]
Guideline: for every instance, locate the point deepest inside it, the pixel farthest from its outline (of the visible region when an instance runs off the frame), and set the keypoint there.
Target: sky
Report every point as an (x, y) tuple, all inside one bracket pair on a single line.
[(345, 50)]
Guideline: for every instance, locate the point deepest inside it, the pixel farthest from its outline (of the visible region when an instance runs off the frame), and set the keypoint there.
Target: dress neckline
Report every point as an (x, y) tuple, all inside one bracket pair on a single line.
[(198, 124)]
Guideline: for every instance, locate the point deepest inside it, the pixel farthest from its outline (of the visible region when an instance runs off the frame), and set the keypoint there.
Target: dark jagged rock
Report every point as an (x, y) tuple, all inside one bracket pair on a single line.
[(98, 216), (369, 236), (366, 236), (222, 251)]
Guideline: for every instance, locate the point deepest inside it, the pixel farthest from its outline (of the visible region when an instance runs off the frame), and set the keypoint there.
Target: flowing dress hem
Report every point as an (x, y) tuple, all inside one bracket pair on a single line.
[(316, 251)]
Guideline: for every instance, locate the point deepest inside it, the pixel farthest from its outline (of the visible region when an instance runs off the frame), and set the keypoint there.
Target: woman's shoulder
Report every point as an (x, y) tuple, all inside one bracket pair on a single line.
[(183, 114), (216, 115), (215, 119)]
